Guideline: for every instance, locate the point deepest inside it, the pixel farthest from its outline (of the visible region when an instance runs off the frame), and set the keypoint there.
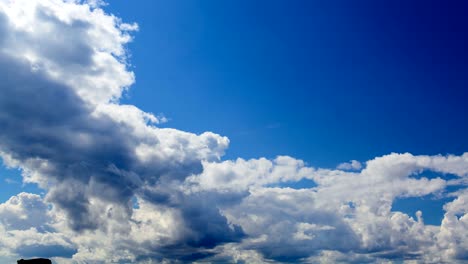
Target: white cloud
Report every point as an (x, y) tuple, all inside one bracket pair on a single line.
[(453, 235), (352, 165), (23, 211), (345, 206), (26, 229), (242, 174), (73, 44)]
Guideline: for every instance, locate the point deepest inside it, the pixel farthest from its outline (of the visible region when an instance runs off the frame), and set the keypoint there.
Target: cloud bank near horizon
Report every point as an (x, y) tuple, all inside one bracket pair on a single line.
[(120, 188)]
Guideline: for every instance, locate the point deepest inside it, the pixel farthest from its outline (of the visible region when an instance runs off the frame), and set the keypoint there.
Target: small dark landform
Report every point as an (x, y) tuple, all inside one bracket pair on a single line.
[(34, 261)]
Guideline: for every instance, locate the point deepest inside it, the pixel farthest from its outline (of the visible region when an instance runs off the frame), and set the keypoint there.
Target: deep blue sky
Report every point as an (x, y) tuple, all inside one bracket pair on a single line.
[(322, 81)]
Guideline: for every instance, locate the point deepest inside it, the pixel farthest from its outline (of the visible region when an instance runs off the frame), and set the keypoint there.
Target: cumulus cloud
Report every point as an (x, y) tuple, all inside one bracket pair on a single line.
[(242, 174), (63, 70), (26, 228), (121, 189)]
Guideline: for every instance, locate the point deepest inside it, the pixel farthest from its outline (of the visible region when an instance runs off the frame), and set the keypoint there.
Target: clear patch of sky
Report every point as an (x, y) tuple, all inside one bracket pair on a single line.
[(345, 80), (301, 184), (432, 207), (433, 175), (11, 183)]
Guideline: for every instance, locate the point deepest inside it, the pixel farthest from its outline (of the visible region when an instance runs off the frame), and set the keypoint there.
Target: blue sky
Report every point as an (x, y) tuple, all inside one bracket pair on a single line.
[(321, 82)]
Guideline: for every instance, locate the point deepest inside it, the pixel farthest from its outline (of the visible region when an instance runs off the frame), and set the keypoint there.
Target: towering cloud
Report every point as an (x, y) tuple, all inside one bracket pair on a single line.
[(63, 71), (118, 188)]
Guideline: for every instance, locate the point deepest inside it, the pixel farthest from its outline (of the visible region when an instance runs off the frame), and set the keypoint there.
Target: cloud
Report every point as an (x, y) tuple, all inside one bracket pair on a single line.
[(243, 174), (352, 165), (26, 228), (63, 70), (453, 236), (121, 189), (24, 211), (346, 217)]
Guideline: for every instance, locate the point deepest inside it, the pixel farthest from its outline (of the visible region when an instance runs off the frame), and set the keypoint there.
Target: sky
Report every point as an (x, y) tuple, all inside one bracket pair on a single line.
[(234, 131)]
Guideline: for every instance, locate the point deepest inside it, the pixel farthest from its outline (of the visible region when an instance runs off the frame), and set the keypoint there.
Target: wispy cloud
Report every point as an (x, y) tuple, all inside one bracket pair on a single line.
[(11, 181)]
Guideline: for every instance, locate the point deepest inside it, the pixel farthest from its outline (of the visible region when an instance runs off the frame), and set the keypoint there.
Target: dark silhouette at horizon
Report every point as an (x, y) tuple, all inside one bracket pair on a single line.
[(34, 261)]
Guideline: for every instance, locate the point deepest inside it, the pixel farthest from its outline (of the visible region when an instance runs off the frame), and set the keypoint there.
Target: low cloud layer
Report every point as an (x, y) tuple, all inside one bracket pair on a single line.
[(118, 188)]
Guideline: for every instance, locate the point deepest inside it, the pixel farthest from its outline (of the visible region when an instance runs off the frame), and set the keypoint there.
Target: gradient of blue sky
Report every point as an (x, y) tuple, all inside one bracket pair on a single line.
[(325, 82)]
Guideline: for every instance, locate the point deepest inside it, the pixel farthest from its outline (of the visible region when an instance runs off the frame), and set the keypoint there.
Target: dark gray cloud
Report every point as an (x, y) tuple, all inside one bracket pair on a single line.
[(44, 120)]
